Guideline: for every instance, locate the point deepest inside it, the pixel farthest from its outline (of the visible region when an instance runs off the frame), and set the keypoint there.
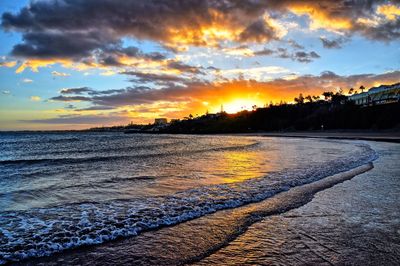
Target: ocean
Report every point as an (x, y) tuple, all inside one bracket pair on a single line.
[(70, 194)]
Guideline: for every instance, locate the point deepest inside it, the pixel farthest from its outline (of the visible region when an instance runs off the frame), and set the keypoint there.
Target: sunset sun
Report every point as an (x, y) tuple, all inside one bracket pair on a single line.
[(238, 105)]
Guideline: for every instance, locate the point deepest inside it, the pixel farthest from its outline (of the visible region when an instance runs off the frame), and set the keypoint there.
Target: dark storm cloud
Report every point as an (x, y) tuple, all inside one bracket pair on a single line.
[(300, 56), (106, 92), (79, 119), (80, 90), (135, 95), (182, 67), (386, 32), (70, 106), (305, 57), (295, 44), (57, 28), (76, 28), (264, 51), (329, 75), (297, 54), (140, 95), (62, 98), (92, 32), (48, 44), (150, 77), (110, 56), (259, 31), (84, 90), (331, 44), (96, 108)]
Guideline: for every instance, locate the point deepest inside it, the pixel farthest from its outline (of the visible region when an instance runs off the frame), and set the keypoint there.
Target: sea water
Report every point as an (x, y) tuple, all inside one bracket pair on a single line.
[(63, 191)]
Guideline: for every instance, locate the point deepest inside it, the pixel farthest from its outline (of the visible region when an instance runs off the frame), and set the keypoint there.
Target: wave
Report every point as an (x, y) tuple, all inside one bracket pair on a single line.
[(40, 141), (39, 151), (42, 232), (92, 159), (55, 138)]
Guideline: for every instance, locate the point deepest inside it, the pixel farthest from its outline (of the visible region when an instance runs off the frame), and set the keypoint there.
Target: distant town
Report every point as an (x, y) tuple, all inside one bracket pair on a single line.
[(375, 108)]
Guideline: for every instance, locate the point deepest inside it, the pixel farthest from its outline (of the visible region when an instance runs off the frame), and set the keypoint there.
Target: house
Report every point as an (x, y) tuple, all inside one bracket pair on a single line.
[(378, 95), (160, 121)]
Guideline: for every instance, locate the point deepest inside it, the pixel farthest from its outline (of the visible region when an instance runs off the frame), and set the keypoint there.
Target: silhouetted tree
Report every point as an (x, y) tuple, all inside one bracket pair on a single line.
[(328, 95), (362, 88), (338, 97), (300, 99), (316, 98)]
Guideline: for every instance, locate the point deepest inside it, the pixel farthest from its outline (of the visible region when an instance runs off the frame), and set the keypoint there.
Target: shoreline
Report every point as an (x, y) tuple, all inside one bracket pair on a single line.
[(353, 223), (393, 137)]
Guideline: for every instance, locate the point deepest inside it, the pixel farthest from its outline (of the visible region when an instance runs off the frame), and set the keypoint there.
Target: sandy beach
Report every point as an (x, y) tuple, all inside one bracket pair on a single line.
[(386, 136)]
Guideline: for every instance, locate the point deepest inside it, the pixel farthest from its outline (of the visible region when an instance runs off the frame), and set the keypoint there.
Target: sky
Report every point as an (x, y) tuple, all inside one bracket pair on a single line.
[(74, 64)]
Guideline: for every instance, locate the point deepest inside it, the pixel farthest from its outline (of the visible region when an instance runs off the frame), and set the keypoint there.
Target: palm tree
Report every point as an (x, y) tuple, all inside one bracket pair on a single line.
[(362, 88)]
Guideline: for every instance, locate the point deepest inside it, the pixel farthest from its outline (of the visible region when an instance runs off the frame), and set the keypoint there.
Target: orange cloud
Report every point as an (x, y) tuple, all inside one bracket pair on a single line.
[(320, 18), (35, 64), (391, 12), (221, 27)]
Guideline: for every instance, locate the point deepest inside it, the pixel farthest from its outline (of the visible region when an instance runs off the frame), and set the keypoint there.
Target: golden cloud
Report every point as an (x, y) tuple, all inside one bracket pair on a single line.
[(8, 64), (391, 12), (320, 18)]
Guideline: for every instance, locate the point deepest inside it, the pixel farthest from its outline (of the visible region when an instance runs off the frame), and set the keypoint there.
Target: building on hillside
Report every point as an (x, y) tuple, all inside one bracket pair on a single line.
[(212, 116), (160, 121), (378, 95)]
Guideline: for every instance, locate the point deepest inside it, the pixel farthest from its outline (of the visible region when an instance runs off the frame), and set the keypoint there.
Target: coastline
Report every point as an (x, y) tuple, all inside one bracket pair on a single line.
[(380, 136), (368, 135)]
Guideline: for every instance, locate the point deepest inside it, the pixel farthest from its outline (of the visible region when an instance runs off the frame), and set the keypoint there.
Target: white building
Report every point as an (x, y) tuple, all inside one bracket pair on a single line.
[(378, 95)]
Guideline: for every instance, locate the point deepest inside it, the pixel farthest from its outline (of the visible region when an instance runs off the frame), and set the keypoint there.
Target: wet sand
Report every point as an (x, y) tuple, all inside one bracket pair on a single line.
[(386, 136), (356, 222)]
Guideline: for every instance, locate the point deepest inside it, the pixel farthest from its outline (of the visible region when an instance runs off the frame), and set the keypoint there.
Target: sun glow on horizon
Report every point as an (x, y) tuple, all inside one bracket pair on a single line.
[(238, 105)]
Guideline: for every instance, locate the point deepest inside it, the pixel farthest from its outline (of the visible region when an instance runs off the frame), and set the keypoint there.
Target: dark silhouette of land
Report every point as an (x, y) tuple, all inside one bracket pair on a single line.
[(335, 111), (294, 117)]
